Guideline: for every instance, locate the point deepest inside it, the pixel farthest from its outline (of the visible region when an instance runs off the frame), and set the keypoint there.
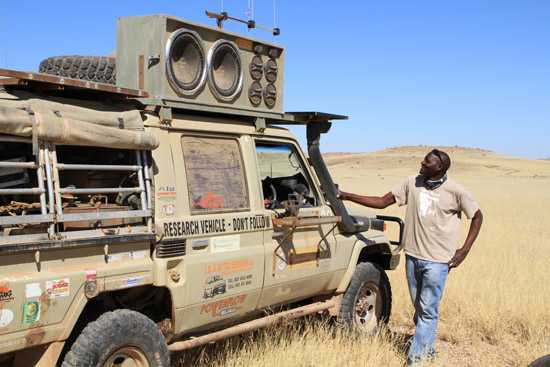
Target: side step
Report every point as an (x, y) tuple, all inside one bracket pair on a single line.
[(252, 325)]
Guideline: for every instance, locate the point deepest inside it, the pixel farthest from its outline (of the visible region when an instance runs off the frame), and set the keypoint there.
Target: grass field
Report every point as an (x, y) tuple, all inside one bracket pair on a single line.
[(495, 310)]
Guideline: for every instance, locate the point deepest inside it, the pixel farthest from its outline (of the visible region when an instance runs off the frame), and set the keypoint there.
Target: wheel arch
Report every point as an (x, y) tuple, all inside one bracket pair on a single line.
[(89, 310), (368, 250)]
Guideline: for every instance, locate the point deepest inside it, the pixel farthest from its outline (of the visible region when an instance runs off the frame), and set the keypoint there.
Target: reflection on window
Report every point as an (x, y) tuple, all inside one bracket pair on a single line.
[(284, 179), (215, 174)]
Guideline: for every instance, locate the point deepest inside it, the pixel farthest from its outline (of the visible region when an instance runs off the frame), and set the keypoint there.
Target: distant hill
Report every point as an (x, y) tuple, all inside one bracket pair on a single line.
[(406, 160)]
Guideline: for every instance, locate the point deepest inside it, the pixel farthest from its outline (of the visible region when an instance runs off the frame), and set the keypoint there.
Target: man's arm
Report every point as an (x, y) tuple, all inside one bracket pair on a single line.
[(461, 253), (377, 202)]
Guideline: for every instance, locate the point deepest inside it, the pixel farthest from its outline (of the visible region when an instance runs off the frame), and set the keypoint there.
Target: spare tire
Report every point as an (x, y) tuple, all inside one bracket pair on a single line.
[(101, 69)]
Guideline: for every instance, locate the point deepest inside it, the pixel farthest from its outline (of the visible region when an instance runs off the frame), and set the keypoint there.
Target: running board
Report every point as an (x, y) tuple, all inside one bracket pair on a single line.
[(252, 325)]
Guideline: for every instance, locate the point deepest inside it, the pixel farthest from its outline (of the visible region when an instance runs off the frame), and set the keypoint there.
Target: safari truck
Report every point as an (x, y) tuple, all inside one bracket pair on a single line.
[(154, 202)]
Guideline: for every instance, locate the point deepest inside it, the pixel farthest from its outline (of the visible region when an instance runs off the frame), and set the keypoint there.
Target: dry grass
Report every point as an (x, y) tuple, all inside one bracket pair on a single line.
[(495, 310)]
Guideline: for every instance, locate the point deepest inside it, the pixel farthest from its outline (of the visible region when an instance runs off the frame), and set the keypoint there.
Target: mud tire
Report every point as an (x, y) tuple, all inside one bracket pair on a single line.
[(541, 362), (368, 287), (114, 331), (100, 69)]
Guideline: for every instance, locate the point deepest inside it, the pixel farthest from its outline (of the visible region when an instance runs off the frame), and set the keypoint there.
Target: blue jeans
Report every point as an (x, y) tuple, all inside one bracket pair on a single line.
[(426, 282)]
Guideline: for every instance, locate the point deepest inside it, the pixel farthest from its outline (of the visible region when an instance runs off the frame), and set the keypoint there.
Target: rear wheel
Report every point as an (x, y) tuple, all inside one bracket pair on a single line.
[(119, 338), (366, 305)]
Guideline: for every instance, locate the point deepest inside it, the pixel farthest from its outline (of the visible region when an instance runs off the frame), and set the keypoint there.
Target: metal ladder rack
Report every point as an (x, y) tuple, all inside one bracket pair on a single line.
[(50, 193), (143, 189), (47, 213)]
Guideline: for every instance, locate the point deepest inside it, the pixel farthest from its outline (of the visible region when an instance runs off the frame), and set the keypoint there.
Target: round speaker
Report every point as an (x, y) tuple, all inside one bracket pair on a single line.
[(271, 70), (256, 68), (185, 62), (270, 95), (255, 93), (224, 70)]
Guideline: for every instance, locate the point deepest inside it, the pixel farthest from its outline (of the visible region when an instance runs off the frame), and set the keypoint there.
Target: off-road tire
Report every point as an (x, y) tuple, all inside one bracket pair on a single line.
[(541, 362), (101, 69), (114, 333), (369, 289)]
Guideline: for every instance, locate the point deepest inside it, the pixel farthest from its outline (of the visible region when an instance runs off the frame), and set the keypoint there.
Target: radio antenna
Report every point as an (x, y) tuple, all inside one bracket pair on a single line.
[(251, 24), (274, 14)]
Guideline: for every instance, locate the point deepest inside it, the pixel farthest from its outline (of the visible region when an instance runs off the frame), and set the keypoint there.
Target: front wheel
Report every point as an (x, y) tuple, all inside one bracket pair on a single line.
[(119, 338), (366, 305)]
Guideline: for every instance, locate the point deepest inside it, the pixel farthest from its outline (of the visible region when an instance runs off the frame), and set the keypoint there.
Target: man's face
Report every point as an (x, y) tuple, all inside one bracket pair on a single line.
[(430, 166)]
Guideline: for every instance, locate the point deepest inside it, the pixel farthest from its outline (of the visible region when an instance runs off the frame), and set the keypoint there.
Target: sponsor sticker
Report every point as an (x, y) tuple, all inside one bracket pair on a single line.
[(230, 267), (33, 290), (168, 209), (239, 281), (91, 274), (31, 312), (166, 191), (138, 255), (6, 317), (6, 294), (226, 243), (130, 282), (223, 307), (215, 285), (58, 288)]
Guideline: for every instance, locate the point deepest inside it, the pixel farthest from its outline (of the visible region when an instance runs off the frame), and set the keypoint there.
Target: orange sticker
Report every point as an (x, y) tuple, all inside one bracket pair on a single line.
[(230, 267), (223, 307)]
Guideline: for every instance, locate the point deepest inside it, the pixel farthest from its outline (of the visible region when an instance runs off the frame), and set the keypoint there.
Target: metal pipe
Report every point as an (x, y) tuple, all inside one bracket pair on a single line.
[(105, 190), (99, 215), (5, 164), (49, 183), (14, 139), (294, 222), (140, 180), (147, 180), (147, 188), (25, 219), (98, 167), (56, 183), (40, 178), (33, 191), (251, 325)]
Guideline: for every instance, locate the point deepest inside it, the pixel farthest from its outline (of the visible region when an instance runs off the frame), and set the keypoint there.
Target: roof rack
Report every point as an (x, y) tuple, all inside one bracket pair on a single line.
[(306, 117), (16, 78), (24, 79)]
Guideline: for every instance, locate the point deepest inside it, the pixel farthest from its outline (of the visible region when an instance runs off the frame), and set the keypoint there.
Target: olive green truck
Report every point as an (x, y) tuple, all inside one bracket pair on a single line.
[(154, 202)]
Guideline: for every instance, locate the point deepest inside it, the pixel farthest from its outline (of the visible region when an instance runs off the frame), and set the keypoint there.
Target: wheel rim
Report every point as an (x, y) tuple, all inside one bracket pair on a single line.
[(368, 306), (127, 356)]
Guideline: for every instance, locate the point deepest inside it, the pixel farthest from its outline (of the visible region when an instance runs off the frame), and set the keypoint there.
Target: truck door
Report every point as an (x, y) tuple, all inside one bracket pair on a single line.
[(222, 269), (298, 261)]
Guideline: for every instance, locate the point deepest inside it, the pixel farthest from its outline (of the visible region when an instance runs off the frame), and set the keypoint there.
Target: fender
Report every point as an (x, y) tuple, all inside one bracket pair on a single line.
[(379, 244)]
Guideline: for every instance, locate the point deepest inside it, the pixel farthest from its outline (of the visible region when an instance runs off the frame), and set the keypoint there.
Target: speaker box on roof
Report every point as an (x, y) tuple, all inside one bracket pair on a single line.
[(176, 60)]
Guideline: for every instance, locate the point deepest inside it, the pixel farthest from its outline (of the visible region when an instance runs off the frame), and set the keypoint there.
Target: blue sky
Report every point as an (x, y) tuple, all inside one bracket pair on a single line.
[(472, 72)]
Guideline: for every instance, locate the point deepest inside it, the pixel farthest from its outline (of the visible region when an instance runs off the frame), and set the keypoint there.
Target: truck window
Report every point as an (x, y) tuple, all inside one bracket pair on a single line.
[(215, 174), (284, 179)]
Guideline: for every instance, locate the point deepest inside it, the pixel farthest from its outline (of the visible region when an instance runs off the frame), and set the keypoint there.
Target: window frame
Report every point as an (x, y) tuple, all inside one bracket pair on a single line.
[(302, 160), (193, 211)]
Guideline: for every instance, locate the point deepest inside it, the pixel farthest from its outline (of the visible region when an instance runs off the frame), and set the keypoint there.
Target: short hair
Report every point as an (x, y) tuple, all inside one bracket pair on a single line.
[(443, 157)]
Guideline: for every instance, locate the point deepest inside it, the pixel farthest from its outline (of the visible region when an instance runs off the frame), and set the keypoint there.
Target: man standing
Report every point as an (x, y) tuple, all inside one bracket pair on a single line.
[(434, 207)]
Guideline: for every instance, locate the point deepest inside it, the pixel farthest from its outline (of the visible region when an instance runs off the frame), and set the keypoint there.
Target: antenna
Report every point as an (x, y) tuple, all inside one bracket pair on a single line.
[(224, 16)]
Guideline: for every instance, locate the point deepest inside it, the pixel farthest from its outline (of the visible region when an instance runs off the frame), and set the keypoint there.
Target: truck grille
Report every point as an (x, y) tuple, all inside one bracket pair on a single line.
[(171, 248)]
